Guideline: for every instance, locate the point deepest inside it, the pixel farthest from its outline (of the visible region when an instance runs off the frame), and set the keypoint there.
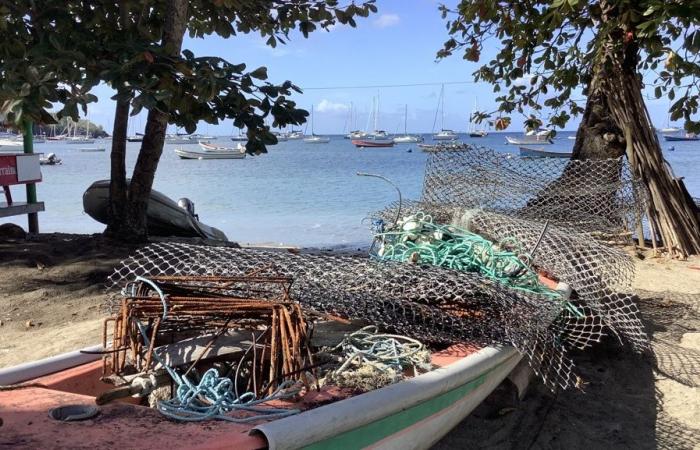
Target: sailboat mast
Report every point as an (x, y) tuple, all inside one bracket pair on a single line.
[(312, 121), (442, 97), (376, 115), (405, 120)]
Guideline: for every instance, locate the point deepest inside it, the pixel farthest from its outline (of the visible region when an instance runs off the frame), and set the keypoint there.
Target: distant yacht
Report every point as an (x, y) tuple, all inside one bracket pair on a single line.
[(356, 134), (295, 134), (444, 134), (407, 138), (313, 139), (473, 131)]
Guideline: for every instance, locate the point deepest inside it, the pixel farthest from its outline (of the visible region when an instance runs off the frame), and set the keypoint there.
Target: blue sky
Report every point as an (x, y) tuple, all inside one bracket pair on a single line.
[(395, 46)]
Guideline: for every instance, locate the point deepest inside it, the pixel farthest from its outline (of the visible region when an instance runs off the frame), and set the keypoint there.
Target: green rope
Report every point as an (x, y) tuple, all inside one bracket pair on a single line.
[(417, 239)]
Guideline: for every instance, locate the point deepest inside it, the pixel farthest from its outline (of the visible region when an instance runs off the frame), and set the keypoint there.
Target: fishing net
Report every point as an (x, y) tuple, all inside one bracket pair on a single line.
[(600, 196), (432, 304)]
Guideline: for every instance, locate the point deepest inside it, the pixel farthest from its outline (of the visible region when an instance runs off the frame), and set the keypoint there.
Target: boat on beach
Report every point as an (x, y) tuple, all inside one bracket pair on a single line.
[(165, 217), (413, 413), (530, 152)]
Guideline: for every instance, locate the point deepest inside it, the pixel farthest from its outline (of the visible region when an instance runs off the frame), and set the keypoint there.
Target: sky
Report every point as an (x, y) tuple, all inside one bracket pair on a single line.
[(395, 46)]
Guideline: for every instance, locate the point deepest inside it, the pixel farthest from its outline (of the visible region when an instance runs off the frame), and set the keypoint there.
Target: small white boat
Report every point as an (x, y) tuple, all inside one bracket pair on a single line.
[(79, 140), (295, 134), (226, 153), (10, 145), (50, 160), (445, 135), (541, 137), (209, 147), (478, 133), (313, 139), (92, 149), (571, 138), (180, 140), (356, 134)]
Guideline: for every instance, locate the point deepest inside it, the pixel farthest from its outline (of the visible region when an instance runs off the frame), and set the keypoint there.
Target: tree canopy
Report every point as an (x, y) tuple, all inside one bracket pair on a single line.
[(547, 49), (52, 55)]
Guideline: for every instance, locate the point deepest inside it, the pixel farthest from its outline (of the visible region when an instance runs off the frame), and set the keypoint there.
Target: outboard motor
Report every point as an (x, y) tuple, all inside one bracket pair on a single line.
[(187, 205)]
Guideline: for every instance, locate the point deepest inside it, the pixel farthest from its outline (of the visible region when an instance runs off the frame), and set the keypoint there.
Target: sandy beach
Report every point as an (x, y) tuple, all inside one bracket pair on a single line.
[(53, 300)]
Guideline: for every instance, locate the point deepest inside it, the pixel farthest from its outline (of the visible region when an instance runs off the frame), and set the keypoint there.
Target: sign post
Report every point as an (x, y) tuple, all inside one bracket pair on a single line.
[(33, 217)]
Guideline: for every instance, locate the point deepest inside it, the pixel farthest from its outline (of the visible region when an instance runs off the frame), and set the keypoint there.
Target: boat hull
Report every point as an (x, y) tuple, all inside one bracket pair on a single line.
[(681, 138), (165, 217), (529, 140), (317, 140), (372, 143), (408, 139), (224, 154), (414, 413), (530, 152)]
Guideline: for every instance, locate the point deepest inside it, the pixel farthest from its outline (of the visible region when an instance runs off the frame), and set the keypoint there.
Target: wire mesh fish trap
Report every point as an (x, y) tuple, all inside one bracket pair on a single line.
[(431, 304), (599, 196)]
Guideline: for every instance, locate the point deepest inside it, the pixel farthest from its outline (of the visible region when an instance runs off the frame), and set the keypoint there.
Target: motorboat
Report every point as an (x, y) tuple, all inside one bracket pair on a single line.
[(165, 217), (313, 139), (180, 140), (92, 149), (530, 152), (10, 145), (50, 159), (372, 143), (478, 133), (209, 151), (134, 138), (77, 140), (445, 135), (538, 137), (685, 137)]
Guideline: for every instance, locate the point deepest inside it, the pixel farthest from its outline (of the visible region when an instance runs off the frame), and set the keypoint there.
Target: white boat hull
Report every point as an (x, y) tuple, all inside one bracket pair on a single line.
[(529, 140), (186, 154), (317, 140)]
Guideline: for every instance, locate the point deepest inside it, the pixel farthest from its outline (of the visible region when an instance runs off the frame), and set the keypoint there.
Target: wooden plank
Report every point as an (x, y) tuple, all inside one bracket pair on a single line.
[(18, 208)]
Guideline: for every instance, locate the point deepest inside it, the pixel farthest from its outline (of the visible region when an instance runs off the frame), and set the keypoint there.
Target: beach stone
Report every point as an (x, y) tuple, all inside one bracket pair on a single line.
[(12, 231)]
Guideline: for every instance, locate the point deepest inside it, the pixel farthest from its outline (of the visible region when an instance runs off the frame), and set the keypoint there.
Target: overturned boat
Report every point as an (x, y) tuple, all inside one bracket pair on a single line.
[(165, 217)]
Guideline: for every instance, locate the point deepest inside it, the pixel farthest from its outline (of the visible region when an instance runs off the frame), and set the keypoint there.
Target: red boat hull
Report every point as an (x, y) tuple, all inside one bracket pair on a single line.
[(372, 143)]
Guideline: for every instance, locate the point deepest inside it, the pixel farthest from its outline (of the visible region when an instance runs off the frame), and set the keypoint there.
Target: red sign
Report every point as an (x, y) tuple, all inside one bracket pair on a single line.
[(8, 170), (19, 169)]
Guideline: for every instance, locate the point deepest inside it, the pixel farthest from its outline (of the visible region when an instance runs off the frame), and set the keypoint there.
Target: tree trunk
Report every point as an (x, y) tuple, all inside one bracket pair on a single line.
[(136, 226), (117, 184), (616, 122)]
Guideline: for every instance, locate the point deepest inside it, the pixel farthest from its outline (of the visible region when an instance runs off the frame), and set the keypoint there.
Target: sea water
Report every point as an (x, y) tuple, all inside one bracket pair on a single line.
[(298, 193)]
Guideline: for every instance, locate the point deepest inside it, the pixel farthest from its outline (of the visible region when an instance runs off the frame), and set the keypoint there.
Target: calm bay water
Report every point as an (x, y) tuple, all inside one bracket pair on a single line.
[(298, 193)]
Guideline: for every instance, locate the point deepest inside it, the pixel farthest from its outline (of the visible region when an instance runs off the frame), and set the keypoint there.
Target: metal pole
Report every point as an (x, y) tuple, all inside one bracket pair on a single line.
[(33, 218)]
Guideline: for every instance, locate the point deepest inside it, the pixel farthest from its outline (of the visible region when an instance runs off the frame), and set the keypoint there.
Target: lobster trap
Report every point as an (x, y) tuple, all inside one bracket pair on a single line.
[(162, 315)]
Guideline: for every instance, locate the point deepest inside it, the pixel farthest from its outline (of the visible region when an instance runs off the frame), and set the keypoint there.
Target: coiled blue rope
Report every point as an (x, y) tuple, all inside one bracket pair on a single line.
[(213, 396)]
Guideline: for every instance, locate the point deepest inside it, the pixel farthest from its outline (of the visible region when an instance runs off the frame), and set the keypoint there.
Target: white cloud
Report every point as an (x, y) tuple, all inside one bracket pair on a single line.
[(524, 80), (387, 20), (331, 107)]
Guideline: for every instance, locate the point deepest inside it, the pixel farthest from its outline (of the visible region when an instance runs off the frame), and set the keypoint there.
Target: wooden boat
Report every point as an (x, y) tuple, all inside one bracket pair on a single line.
[(530, 152), (414, 413), (687, 137), (212, 152), (372, 143), (165, 217)]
